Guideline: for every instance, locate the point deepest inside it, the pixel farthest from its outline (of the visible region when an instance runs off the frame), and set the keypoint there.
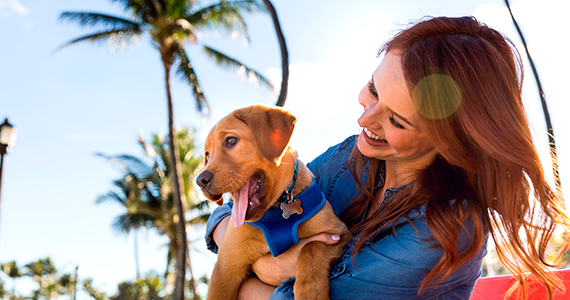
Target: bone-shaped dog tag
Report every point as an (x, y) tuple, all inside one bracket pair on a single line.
[(291, 208)]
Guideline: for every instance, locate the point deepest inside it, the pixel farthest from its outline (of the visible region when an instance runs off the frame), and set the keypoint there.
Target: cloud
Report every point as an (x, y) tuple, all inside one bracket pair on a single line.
[(323, 95), (12, 6)]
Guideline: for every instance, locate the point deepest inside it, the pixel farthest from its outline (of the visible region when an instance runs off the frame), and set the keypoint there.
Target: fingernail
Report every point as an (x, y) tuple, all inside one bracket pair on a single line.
[(335, 237)]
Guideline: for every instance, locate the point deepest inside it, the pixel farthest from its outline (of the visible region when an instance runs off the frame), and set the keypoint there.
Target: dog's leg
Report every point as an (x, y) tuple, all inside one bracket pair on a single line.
[(224, 286), (239, 250), (313, 270), (229, 273)]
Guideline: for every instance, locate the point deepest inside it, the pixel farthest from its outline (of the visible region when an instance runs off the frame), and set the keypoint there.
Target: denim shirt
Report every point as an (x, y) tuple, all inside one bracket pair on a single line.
[(392, 264)]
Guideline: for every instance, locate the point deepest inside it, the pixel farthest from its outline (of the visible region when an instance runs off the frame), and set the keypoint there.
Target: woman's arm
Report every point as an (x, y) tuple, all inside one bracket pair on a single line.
[(220, 230), (254, 289), (218, 215), (274, 270)]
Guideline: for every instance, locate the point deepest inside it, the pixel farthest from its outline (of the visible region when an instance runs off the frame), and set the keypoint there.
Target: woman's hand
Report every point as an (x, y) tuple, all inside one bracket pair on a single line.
[(274, 270)]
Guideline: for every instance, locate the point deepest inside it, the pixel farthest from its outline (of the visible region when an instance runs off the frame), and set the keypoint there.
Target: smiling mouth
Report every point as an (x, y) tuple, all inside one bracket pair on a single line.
[(373, 136)]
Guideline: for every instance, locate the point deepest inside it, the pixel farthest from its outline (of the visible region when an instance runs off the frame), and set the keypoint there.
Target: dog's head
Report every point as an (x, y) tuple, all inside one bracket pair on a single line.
[(243, 156)]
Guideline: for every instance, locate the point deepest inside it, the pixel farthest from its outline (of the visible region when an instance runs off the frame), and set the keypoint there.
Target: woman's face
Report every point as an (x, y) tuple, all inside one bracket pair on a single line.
[(390, 122)]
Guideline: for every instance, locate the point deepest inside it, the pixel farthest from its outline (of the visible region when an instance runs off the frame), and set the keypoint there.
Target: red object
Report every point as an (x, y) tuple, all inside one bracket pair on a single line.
[(494, 288)]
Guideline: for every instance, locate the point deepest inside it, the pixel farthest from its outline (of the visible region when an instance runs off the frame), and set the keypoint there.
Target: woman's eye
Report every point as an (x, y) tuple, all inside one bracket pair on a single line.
[(371, 89), (230, 141), (395, 123)]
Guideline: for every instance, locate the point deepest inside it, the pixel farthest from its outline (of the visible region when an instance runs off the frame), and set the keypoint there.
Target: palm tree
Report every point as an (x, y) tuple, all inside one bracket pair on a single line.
[(284, 55), (51, 283), (171, 24), (549, 128), (13, 271), (92, 291), (148, 287), (145, 191), (2, 290)]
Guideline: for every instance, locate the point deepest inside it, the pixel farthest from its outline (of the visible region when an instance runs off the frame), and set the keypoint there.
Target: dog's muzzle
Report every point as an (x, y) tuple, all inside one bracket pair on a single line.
[(203, 181)]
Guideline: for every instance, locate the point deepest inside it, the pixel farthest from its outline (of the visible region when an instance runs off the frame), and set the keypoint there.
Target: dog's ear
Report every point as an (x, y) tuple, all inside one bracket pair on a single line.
[(272, 128)]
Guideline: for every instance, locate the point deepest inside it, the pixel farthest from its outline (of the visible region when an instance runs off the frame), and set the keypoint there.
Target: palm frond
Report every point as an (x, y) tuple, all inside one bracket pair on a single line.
[(146, 11), (125, 222), (201, 219), (119, 35), (135, 165), (131, 164), (186, 71), (122, 224), (227, 22), (226, 16), (183, 30), (111, 196), (89, 19), (169, 260), (239, 6), (227, 62)]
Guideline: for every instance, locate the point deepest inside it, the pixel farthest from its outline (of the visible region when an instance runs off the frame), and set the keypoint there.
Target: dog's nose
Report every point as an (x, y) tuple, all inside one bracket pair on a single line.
[(203, 180)]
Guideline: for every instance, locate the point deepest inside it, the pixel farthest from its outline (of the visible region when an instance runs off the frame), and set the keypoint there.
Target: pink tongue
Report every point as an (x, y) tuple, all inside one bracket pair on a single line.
[(240, 205)]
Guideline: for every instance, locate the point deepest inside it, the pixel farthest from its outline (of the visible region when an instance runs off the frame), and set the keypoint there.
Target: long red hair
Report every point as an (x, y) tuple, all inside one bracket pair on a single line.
[(465, 80)]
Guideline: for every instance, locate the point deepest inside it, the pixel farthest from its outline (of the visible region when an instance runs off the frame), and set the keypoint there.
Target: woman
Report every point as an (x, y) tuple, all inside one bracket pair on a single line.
[(445, 158)]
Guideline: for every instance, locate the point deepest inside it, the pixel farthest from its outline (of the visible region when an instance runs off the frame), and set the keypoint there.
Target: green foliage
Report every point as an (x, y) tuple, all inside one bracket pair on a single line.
[(12, 270), (50, 283), (150, 287), (3, 292), (93, 292)]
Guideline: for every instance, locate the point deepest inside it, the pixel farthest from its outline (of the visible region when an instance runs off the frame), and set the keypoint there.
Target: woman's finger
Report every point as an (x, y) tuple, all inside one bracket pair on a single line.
[(326, 238)]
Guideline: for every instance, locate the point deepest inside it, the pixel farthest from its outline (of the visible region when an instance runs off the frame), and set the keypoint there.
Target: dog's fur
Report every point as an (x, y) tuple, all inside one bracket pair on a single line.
[(261, 150)]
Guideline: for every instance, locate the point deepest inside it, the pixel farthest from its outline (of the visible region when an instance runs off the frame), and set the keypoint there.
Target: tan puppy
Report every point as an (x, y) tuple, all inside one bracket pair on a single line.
[(248, 154)]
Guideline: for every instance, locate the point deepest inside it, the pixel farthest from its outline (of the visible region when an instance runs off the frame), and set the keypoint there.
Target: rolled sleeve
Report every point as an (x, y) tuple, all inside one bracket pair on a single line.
[(284, 291), (215, 218)]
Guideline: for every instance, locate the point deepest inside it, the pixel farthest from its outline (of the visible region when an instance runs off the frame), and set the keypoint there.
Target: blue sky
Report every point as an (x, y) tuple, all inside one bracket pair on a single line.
[(95, 98)]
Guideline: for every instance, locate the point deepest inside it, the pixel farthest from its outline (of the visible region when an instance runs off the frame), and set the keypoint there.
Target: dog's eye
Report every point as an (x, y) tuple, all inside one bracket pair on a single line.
[(207, 156), (230, 141)]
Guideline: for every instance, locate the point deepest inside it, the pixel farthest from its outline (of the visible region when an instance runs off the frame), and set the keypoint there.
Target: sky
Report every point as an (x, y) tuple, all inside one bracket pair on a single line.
[(92, 98)]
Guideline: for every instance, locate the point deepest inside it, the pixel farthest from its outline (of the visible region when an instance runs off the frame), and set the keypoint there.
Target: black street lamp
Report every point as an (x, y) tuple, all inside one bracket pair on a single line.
[(7, 139)]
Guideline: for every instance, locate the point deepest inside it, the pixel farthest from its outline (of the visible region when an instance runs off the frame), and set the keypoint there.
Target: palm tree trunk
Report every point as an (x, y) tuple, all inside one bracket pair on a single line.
[(552, 142), (178, 189), (137, 266), (192, 279), (284, 54)]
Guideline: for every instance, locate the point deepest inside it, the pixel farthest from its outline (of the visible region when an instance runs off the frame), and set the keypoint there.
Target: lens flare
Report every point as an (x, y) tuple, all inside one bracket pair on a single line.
[(437, 96)]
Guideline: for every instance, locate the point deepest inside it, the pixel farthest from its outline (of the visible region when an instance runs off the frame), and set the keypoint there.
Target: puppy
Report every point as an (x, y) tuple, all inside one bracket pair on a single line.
[(276, 202)]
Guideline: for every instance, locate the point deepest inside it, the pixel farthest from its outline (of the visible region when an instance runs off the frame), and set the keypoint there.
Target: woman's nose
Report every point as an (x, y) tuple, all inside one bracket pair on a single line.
[(370, 117)]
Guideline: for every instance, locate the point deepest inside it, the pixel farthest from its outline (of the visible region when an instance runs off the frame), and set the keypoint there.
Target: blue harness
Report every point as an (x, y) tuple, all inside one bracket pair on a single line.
[(280, 232)]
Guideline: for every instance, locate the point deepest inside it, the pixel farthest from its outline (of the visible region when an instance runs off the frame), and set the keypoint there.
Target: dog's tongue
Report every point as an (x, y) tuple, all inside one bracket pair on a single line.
[(240, 204)]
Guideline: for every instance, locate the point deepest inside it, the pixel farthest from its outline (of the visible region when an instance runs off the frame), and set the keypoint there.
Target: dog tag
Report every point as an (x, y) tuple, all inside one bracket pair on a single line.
[(291, 208)]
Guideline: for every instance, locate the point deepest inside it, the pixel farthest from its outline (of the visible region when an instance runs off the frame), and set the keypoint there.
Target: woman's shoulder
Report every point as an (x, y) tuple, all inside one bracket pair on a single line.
[(339, 152), (332, 174)]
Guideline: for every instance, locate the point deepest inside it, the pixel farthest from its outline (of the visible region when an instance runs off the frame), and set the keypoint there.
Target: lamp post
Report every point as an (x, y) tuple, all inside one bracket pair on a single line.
[(7, 139)]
